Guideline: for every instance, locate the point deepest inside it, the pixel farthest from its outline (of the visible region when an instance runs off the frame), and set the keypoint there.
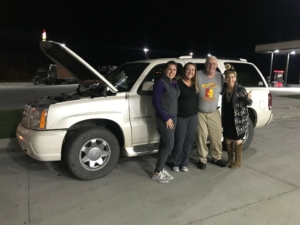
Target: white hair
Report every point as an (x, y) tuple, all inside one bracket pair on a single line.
[(210, 57)]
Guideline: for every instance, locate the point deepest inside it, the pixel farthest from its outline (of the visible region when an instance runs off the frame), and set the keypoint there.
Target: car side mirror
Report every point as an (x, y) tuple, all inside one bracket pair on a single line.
[(147, 86)]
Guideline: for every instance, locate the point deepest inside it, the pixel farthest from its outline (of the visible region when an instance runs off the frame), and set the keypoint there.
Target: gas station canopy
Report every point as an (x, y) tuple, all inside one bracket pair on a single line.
[(281, 48)]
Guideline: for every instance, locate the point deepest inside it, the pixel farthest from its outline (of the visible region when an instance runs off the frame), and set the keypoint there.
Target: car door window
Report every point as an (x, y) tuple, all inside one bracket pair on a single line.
[(155, 74)]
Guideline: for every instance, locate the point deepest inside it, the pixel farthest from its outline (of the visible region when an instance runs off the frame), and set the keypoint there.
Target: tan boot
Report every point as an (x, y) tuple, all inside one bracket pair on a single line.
[(238, 156), (230, 154)]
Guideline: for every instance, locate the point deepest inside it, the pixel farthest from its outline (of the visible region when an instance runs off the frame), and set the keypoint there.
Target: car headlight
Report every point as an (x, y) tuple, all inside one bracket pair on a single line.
[(38, 118)]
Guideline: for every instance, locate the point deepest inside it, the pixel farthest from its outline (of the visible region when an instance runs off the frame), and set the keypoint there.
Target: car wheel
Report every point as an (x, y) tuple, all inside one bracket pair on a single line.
[(248, 135), (92, 153)]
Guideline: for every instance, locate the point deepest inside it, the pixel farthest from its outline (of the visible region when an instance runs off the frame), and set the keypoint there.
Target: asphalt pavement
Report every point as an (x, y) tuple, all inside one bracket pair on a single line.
[(264, 190)]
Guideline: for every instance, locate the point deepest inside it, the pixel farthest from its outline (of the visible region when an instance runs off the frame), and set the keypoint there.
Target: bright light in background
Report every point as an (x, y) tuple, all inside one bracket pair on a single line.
[(63, 44), (276, 51), (209, 55), (191, 53), (146, 50), (44, 36), (293, 53)]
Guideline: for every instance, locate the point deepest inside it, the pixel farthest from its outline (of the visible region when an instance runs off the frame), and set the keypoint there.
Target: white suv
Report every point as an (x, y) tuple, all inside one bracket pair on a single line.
[(106, 116)]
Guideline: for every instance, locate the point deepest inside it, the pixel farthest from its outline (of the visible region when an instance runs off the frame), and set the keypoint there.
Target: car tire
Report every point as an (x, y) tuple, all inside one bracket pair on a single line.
[(248, 135), (91, 153)]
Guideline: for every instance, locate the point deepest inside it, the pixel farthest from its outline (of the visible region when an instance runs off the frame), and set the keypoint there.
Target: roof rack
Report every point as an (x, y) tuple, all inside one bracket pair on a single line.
[(223, 58), (185, 57)]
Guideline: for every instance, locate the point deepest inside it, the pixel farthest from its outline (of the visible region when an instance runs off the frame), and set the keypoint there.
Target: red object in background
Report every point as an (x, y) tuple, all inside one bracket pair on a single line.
[(278, 78), (270, 101)]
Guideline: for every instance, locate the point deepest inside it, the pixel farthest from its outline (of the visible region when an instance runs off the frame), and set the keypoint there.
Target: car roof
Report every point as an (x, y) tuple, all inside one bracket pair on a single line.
[(188, 59)]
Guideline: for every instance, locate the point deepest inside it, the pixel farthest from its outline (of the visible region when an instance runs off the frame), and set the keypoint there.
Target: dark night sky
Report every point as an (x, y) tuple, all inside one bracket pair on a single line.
[(113, 32)]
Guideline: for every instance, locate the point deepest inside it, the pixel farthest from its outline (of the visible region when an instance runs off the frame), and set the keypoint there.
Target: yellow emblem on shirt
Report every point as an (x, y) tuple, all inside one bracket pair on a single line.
[(209, 91)]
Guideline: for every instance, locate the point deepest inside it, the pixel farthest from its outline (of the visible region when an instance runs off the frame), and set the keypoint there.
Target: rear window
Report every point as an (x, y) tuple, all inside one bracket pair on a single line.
[(247, 75)]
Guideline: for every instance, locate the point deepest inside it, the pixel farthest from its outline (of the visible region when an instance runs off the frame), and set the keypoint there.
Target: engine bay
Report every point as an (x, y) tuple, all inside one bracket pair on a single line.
[(96, 89)]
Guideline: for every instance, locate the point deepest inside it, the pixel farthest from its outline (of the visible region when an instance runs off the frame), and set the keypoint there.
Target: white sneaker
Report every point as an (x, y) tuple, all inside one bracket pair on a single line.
[(160, 178), (184, 169), (167, 175), (175, 169)]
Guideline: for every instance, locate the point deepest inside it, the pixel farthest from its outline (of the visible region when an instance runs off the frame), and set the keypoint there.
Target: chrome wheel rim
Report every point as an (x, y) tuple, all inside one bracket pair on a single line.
[(94, 154)]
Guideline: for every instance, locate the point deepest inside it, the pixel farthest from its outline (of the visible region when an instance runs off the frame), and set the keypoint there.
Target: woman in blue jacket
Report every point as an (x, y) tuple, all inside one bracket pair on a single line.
[(164, 101)]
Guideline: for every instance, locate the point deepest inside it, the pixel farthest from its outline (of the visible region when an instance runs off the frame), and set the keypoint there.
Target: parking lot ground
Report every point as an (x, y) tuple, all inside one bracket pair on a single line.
[(265, 190), (285, 107)]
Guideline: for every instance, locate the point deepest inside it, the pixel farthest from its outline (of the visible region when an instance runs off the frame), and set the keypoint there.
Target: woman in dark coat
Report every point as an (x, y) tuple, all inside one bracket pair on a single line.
[(235, 100)]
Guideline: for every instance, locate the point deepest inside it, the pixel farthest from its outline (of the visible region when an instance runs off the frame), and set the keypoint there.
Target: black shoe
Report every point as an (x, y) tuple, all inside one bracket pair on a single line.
[(220, 163), (201, 166)]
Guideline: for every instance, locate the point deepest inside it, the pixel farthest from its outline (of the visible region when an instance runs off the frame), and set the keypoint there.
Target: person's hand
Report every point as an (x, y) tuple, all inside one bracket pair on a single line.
[(249, 94), (170, 124)]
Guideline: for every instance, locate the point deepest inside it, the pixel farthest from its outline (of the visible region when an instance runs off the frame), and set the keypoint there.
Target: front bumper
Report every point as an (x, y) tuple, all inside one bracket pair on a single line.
[(41, 145)]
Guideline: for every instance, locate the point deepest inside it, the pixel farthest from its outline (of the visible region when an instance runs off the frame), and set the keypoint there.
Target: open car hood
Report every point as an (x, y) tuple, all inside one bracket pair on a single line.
[(79, 69)]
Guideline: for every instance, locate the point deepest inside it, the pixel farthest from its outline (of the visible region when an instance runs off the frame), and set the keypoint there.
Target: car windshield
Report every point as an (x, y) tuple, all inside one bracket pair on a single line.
[(124, 76)]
